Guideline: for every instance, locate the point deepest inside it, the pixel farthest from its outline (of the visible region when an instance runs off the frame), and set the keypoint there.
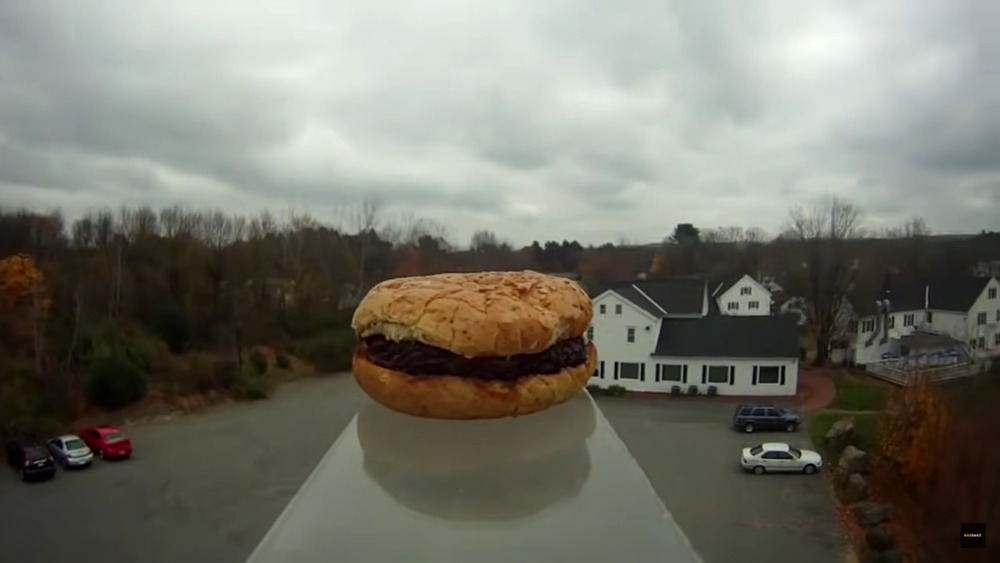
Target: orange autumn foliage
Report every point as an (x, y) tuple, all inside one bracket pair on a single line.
[(22, 294), (912, 432), (410, 264)]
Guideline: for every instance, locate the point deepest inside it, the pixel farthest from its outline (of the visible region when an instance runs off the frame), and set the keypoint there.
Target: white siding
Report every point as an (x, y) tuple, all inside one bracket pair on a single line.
[(985, 332), (735, 295), (947, 322), (611, 333), (742, 376)]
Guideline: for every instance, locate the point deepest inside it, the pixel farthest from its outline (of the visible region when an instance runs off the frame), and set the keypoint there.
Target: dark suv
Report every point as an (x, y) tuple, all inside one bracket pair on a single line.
[(750, 418), (31, 460)]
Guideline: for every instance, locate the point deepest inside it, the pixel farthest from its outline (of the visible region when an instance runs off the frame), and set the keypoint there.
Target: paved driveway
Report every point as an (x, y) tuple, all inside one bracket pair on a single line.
[(201, 488), (691, 457), (205, 488)]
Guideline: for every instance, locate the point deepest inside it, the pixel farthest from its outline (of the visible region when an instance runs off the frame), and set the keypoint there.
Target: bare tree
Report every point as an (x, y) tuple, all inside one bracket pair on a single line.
[(912, 228), (822, 237), (365, 219), (484, 240)]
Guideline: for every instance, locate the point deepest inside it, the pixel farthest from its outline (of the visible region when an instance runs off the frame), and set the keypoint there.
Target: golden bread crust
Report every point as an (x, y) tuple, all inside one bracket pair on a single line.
[(479, 314), (452, 397)]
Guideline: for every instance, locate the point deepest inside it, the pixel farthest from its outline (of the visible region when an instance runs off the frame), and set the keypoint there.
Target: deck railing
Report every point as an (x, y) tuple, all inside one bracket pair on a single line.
[(904, 375)]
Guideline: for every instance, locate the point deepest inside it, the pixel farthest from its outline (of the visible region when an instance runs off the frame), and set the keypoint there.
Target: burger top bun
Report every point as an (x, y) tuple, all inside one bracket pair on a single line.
[(478, 314)]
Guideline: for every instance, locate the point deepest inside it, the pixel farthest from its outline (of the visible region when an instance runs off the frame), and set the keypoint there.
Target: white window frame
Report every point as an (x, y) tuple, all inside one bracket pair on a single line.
[(680, 373), (708, 374), (868, 325), (908, 319), (630, 334), (638, 371), (590, 333), (733, 306), (760, 375), (991, 293), (602, 309), (618, 308), (746, 290), (753, 305), (981, 318)]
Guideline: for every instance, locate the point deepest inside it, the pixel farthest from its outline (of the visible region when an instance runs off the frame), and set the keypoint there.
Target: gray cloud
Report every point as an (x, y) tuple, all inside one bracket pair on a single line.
[(538, 120)]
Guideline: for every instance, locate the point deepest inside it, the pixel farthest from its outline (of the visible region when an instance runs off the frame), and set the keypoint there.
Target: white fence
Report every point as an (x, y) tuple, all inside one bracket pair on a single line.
[(906, 374)]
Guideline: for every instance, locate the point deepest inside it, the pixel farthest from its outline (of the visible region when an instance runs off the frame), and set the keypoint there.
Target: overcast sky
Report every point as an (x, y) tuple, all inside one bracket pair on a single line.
[(538, 119)]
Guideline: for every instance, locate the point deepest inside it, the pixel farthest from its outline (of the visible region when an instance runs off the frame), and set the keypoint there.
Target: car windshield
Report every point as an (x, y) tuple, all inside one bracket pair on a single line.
[(74, 444), (795, 451), (756, 449), (112, 437)]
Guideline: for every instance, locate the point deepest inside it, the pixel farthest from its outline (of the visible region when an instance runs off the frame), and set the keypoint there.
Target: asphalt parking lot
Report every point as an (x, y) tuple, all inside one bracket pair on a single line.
[(207, 487), (690, 456)]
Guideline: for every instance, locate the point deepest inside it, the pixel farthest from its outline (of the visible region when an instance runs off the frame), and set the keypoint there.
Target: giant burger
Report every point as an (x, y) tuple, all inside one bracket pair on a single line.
[(468, 346)]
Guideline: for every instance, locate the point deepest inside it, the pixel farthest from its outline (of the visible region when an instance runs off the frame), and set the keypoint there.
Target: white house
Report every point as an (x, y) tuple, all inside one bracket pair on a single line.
[(957, 318), (743, 296), (655, 335)]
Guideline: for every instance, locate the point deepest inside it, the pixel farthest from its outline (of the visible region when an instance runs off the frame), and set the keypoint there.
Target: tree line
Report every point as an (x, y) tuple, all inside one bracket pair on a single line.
[(144, 294)]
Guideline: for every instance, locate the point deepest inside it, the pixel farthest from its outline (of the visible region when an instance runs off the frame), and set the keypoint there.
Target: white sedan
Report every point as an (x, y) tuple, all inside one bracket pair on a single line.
[(779, 457)]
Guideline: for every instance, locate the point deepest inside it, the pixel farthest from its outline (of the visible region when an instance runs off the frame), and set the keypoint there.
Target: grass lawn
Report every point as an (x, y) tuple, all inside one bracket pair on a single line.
[(865, 430), (859, 393)]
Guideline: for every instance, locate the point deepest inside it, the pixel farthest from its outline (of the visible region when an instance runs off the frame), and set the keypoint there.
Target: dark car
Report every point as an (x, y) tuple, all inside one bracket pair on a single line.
[(750, 418), (30, 460)]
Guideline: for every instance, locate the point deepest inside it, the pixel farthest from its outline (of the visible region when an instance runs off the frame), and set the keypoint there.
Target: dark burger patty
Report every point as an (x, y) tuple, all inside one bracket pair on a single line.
[(416, 358)]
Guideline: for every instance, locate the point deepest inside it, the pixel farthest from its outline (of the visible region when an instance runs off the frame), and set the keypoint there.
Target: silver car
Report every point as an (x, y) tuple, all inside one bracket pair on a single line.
[(779, 457), (70, 451)]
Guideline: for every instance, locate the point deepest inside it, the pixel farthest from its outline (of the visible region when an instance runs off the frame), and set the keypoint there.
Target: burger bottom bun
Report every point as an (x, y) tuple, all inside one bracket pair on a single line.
[(452, 397), (425, 446)]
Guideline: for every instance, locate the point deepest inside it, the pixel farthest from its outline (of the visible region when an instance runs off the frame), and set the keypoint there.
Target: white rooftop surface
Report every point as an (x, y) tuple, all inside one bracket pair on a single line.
[(554, 486)]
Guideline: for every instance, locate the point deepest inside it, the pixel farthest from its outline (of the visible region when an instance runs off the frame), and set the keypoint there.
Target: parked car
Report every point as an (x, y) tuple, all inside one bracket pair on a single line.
[(30, 459), (106, 441), (70, 451), (779, 457), (750, 418)]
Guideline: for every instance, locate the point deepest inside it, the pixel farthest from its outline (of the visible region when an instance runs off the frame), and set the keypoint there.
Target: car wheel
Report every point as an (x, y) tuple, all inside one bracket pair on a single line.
[(759, 470), (790, 427), (748, 428), (809, 469)]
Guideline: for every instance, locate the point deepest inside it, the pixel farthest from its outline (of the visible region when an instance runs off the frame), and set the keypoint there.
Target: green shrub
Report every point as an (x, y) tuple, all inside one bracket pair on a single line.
[(114, 382), (257, 362), (197, 373), (173, 326), (331, 352), (616, 391), (252, 385), (282, 361)]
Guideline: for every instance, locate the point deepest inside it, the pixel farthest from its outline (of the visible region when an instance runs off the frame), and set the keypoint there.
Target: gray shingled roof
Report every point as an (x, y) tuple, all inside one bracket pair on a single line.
[(678, 296), (729, 337), (946, 293)]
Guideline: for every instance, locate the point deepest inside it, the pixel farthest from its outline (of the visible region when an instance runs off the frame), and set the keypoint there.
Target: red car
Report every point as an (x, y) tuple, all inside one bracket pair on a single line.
[(106, 441)]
